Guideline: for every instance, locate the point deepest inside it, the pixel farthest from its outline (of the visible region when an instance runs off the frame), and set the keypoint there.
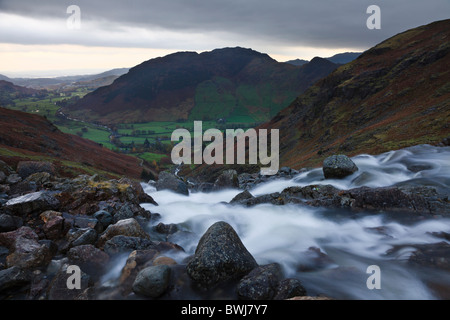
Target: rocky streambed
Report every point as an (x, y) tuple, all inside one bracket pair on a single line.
[(245, 236)]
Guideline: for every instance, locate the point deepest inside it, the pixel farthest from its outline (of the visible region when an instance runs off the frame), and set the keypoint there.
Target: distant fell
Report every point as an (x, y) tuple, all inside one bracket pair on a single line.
[(60, 82), (233, 83), (343, 58), (340, 58), (9, 92), (7, 87), (297, 62)]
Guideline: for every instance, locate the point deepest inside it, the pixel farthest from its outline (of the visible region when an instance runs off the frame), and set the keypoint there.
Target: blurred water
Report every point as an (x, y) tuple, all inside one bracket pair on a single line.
[(283, 234)]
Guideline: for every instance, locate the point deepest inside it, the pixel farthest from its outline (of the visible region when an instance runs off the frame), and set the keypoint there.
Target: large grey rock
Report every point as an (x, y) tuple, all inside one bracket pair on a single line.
[(27, 168), (242, 197), (152, 281), (220, 256), (13, 179), (137, 261), (89, 236), (32, 203), (26, 250), (125, 211), (87, 222), (169, 181), (9, 223), (122, 244), (289, 288), (435, 255), (227, 180), (13, 277), (58, 286), (104, 217), (338, 167), (56, 228), (129, 227), (261, 283), (138, 191), (90, 259)]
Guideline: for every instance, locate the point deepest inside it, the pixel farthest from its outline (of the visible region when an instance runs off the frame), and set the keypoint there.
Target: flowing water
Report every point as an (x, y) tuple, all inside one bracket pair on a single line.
[(348, 243)]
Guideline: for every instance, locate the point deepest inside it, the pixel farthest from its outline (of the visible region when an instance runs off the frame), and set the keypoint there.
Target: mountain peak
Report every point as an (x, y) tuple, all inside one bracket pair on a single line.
[(226, 82), (320, 61)]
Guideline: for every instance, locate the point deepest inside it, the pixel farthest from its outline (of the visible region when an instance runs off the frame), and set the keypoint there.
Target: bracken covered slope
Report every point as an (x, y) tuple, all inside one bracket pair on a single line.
[(395, 95), (25, 136)]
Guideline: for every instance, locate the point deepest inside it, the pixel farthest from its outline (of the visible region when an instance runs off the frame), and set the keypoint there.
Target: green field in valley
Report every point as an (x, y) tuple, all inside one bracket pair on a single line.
[(150, 141)]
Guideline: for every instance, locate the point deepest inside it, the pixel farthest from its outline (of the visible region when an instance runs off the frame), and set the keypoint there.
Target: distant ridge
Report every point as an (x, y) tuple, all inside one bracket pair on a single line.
[(340, 58), (343, 58), (45, 83), (297, 62)]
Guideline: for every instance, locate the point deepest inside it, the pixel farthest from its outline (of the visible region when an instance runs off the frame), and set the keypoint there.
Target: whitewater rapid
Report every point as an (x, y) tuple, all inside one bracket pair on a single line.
[(284, 234)]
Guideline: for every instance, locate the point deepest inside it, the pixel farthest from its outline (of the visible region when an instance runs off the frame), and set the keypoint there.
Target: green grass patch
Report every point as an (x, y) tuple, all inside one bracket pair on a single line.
[(150, 157)]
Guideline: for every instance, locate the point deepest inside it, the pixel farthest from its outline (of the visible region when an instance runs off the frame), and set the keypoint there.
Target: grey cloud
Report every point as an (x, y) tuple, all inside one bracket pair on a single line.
[(324, 23)]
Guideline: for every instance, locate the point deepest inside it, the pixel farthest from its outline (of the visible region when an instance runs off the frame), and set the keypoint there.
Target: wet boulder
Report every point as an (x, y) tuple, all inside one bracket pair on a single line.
[(166, 228), (26, 250), (242, 197), (289, 288), (122, 244), (261, 283), (9, 223), (36, 202), (13, 179), (169, 181), (220, 256), (142, 197), (56, 228), (137, 261), (27, 168), (104, 218), (152, 281), (128, 227), (89, 236), (227, 180), (338, 167), (12, 278), (58, 286), (90, 259), (268, 283), (435, 255)]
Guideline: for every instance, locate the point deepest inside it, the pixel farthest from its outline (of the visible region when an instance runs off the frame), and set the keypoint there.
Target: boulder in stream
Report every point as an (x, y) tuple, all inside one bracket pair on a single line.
[(220, 256), (338, 167)]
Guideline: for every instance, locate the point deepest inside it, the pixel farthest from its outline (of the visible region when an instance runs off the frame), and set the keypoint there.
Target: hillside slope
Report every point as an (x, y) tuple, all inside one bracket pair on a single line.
[(25, 136), (233, 83), (394, 95)]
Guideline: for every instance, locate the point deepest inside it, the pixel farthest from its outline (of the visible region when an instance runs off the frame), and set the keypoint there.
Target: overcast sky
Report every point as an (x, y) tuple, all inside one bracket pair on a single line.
[(34, 36)]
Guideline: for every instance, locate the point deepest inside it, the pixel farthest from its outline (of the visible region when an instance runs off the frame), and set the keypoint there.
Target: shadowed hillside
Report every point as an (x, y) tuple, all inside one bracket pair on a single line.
[(394, 95), (25, 136), (236, 83)]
